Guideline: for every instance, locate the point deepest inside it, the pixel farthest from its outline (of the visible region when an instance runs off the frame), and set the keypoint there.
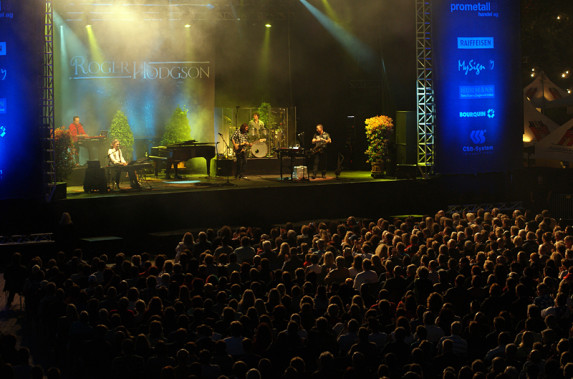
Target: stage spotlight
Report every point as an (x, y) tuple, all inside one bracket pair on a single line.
[(268, 25), (355, 47), (88, 26), (187, 25)]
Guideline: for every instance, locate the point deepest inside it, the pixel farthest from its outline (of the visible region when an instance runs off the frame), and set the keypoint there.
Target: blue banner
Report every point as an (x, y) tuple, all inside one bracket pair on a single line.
[(21, 53), (477, 85)]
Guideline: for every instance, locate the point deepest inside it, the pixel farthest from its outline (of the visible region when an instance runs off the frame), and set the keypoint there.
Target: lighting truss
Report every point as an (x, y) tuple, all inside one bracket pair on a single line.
[(93, 11), (426, 110), (48, 153)]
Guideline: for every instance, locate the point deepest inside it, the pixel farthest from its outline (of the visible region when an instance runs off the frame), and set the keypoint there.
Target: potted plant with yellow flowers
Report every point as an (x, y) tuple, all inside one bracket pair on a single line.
[(380, 137), (63, 153)]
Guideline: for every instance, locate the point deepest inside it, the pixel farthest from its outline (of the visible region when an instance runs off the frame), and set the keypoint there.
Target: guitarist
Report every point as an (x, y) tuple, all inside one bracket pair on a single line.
[(321, 139), (240, 144)]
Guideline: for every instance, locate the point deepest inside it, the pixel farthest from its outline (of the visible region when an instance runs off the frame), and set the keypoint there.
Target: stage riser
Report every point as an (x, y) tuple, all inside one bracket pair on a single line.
[(247, 206), (135, 217), (262, 206)]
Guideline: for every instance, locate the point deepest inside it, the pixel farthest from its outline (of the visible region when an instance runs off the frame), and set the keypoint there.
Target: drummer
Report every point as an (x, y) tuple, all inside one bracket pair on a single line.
[(257, 127)]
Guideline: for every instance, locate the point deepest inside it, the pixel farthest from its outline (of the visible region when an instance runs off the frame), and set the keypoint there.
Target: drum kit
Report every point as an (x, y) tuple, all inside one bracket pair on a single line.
[(264, 141)]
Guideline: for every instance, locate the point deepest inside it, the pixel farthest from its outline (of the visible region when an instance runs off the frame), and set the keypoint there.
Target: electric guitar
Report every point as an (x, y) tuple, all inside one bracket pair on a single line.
[(318, 148), (244, 146)]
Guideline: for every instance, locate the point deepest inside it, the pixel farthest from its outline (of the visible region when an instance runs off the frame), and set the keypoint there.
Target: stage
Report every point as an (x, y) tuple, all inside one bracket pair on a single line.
[(199, 201), (106, 73), (153, 218)]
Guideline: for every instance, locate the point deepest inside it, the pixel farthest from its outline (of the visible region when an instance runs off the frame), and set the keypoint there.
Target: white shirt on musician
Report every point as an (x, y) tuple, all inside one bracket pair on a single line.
[(116, 157)]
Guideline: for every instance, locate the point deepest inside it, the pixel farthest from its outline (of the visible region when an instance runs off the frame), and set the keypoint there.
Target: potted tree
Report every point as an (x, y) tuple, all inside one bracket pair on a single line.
[(177, 128), (121, 131), (264, 111), (380, 135)]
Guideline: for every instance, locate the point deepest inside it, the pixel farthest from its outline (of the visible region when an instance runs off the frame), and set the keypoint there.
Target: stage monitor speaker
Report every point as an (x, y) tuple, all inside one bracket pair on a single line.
[(406, 140), (95, 180), (406, 171), (225, 167), (60, 191)]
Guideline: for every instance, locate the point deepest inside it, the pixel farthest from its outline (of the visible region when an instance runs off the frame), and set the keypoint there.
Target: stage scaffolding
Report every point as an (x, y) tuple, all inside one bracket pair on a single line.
[(426, 110), (47, 131)]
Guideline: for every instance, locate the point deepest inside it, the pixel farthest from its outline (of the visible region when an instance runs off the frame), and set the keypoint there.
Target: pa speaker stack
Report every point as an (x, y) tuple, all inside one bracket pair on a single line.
[(95, 180)]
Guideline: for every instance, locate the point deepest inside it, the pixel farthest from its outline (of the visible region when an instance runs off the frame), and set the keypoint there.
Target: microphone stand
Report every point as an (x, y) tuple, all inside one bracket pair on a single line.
[(227, 183), (227, 147), (109, 168)]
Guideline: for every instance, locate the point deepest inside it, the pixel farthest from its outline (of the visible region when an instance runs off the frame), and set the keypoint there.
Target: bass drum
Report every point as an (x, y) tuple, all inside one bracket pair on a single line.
[(259, 150)]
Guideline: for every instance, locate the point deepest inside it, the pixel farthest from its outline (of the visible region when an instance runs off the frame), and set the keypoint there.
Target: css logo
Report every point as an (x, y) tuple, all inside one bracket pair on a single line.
[(490, 113), (478, 136)]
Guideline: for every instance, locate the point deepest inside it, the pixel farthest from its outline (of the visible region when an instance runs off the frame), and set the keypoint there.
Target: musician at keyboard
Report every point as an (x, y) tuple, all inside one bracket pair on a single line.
[(76, 129), (119, 164)]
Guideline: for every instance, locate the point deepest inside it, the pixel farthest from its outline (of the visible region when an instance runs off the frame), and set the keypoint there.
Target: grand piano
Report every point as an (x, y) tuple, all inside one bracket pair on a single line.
[(181, 152)]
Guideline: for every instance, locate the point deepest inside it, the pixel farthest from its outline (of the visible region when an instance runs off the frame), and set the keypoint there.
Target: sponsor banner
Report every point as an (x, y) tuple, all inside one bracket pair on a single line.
[(476, 42), (489, 113), (479, 9), (475, 66), (477, 92), (477, 85), (21, 38)]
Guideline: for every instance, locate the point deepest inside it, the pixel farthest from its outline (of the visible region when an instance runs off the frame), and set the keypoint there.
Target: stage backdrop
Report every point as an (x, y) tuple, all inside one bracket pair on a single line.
[(142, 68), (477, 85), (21, 47)]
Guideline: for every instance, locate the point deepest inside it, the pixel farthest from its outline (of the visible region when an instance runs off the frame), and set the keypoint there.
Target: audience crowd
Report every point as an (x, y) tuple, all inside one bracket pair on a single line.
[(474, 295)]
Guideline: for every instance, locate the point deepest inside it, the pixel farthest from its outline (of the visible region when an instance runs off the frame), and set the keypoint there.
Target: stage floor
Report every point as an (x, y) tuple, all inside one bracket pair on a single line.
[(200, 182)]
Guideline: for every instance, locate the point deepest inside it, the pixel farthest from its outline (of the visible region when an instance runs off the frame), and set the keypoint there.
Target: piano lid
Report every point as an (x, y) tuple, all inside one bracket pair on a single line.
[(187, 144)]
